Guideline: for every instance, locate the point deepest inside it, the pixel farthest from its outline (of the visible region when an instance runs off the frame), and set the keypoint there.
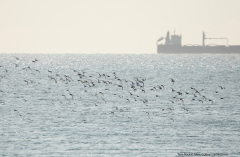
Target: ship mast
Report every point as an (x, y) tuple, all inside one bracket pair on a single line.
[(203, 39)]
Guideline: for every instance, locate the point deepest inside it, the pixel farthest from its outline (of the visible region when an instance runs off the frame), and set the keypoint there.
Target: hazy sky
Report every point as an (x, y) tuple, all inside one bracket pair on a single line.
[(112, 26)]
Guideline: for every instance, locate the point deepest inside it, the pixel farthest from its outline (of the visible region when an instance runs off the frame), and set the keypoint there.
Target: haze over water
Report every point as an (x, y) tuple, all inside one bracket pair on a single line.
[(119, 105)]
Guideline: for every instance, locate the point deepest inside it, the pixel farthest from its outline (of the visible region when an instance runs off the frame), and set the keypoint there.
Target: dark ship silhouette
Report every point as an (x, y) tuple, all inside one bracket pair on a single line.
[(174, 45)]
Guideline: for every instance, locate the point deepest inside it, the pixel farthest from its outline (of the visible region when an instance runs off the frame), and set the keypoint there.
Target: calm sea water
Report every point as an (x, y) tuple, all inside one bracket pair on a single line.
[(119, 105)]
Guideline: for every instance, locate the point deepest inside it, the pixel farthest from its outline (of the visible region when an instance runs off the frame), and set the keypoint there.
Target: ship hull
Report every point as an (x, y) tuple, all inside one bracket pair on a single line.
[(198, 49)]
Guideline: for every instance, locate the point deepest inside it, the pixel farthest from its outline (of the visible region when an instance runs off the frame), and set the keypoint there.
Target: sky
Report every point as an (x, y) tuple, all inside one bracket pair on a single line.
[(113, 26)]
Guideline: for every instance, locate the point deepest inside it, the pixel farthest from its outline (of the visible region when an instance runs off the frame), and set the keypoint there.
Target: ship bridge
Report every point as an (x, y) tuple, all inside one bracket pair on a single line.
[(174, 40)]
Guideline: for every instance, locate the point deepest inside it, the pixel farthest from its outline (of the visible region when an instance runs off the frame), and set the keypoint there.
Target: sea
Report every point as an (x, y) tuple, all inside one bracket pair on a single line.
[(165, 105)]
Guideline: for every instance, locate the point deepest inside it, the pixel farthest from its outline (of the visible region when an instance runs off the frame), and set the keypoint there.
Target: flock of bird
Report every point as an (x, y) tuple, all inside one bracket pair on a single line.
[(79, 87)]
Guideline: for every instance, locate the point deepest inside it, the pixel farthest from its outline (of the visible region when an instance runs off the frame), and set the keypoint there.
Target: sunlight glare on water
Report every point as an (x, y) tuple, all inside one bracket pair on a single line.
[(126, 105)]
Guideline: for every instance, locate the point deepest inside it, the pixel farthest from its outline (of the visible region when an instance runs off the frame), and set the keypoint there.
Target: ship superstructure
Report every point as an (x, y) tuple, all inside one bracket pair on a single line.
[(173, 44)]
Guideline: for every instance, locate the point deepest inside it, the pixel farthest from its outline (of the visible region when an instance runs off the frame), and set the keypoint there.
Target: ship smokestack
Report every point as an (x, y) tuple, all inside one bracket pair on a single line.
[(167, 39)]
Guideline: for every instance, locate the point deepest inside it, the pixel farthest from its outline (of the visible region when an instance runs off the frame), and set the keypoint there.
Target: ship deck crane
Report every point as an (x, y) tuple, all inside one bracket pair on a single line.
[(204, 37)]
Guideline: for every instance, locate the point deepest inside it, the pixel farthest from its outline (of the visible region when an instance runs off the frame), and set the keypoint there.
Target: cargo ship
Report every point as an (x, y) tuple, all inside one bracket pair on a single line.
[(174, 45)]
